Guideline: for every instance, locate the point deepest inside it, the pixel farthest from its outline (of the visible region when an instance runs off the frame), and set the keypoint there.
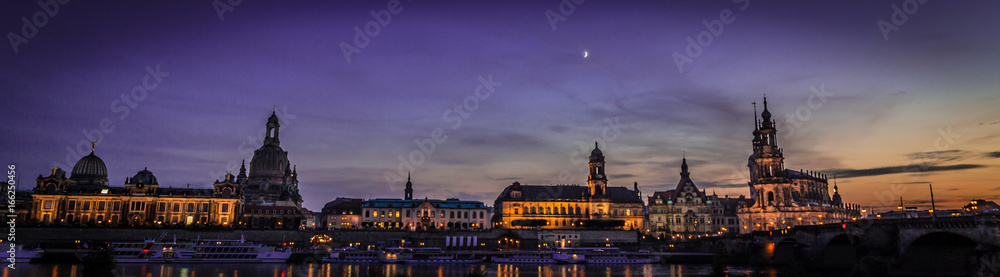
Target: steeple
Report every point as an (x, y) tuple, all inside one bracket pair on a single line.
[(243, 172), (836, 192), (597, 180), (765, 116), (684, 168), (408, 192)]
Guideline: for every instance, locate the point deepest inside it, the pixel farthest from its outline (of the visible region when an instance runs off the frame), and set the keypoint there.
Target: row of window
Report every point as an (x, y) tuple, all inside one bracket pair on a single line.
[(72, 205), (571, 211), (732, 221), (426, 213)]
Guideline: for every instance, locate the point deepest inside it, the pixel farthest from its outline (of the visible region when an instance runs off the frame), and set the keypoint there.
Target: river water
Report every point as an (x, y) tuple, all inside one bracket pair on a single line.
[(390, 270)]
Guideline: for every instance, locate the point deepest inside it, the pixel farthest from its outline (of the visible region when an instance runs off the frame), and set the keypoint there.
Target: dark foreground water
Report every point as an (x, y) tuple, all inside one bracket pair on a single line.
[(390, 270)]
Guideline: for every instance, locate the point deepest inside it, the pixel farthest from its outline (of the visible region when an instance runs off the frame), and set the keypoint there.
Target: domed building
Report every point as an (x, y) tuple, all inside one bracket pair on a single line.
[(272, 180), (85, 199)]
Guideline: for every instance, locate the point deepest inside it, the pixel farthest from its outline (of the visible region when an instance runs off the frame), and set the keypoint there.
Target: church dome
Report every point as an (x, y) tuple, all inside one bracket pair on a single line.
[(268, 160), (90, 166)]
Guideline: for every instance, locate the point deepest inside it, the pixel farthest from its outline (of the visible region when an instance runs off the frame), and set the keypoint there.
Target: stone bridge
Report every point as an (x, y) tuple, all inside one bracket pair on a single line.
[(959, 246)]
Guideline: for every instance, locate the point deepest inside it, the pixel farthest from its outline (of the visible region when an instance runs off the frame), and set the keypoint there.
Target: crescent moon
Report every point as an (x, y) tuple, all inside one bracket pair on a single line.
[(585, 54)]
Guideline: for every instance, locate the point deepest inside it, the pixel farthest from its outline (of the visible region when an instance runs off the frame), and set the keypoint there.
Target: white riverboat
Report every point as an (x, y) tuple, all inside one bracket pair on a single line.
[(535, 257), (196, 251), (605, 255), (431, 255), (352, 255)]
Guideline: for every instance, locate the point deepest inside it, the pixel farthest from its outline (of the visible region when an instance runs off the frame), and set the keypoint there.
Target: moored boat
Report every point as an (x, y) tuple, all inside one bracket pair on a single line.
[(604, 255)]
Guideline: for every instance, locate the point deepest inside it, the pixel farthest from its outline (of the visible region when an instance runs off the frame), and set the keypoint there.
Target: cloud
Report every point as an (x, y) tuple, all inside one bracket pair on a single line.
[(994, 154), (851, 173), (621, 176), (940, 156)]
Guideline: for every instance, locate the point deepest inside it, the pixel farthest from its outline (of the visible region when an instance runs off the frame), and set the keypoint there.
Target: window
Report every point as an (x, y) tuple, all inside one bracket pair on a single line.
[(190, 207), (159, 219), (71, 205), (177, 207), (204, 207), (85, 218), (69, 218), (100, 218), (161, 207), (117, 206), (86, 205), (407, 213), (452, 214), (480, 214), (516, 211), (225, 207), (366, 213), (473, 214), (100, 207)]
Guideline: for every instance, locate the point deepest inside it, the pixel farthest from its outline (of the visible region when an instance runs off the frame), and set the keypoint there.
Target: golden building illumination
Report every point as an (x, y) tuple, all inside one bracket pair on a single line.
[(571, 206)]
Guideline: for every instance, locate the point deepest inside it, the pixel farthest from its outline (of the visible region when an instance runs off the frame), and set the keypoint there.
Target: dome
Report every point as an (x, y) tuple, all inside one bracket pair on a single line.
[(144, 177), (273, 118), (596, 152), (90, 170), (268, 160), (90, 166)]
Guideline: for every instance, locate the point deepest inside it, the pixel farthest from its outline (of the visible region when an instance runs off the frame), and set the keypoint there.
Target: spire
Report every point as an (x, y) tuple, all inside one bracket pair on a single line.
[(765, 116), (756, 124), (408, 192), (684, 168), (93, 144)]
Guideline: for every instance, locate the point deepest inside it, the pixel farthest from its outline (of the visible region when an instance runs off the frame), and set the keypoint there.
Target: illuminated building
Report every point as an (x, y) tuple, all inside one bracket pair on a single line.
[(85, 199), (571, 206), (784, 197), (686, 211), (425, 214), (342, 213)]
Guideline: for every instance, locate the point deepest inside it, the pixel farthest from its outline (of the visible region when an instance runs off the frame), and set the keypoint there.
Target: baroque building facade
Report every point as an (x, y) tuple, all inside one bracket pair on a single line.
[(571, 206), (425, 214), (86, 199), (687, 212), (782, 197)]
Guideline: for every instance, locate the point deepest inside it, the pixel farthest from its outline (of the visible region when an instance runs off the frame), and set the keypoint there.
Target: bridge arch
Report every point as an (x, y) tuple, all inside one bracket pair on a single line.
[(939, 253), (842, 251)]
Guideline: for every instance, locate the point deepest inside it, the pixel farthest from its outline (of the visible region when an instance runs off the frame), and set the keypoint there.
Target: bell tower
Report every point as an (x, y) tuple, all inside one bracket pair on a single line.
[(596, 180)]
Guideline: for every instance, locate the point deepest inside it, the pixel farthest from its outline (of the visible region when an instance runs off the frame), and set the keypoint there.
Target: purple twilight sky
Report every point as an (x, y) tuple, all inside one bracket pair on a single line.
[(912, 100)]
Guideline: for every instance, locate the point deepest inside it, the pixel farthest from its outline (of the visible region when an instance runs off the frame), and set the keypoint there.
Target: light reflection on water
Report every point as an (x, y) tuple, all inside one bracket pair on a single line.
[(388, 270)]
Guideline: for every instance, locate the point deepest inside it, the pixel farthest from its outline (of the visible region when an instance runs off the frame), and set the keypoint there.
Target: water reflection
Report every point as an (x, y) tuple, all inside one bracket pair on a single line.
[(384, 270)]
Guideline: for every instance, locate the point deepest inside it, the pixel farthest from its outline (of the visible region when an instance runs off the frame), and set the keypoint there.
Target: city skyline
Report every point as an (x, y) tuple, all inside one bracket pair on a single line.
[(915, 106)]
